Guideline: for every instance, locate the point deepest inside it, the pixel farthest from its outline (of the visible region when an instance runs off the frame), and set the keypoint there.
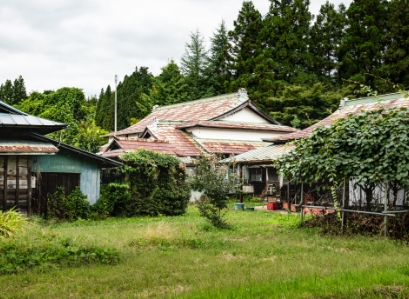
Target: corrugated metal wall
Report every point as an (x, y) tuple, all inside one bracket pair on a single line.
[(68, 162), (90, 181)]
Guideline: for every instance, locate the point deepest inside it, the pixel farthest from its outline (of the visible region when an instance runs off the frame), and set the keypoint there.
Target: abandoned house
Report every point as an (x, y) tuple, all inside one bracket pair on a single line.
[(255, 164), (225, 125), (34, 165)]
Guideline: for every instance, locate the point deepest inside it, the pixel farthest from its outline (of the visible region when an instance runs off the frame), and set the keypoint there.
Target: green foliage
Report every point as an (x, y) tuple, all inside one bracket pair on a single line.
[(216, 184), (364, 44), (133, 99), (67, 105), (68, 207), (326, 33), (115, 200), (44, 251), (11, 222), (372, 147), (303, 105), (13, 93), (157, 184), (170, 86), (396, 61), (287, 34), (193, 65), (218, 67)]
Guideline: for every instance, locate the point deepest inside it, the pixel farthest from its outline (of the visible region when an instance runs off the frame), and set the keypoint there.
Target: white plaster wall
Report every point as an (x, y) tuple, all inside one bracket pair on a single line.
[(246, 116), (231, 134)]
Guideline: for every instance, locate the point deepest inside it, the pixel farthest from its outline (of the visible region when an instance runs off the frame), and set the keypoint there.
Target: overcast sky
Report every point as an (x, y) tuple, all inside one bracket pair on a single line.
[(84, 43)]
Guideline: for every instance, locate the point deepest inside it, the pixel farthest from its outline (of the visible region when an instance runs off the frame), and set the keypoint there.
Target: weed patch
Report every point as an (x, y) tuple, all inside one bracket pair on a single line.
[(44, 251)]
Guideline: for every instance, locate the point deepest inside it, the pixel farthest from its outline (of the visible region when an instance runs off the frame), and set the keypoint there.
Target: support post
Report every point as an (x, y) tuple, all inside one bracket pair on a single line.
[(288, 196), (29, 191), (17, 193), (302, 202), (5, 187), (385, 207), (343, 207)]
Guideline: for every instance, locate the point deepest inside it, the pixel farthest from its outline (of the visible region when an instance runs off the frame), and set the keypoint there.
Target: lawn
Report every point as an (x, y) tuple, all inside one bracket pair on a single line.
[(265, 255)]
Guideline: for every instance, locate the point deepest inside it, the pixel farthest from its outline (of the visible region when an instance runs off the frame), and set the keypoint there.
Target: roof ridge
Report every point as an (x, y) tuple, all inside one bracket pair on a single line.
[(198, 101)]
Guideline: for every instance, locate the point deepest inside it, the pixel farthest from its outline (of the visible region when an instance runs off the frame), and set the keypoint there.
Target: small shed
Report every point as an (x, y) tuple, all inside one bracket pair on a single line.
[(33, 166), (69, 168)]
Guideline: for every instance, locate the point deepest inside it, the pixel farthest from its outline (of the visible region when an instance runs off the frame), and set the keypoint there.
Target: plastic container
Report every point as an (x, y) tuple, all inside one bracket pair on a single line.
[(272, 205), (239, 206), (250, 208)]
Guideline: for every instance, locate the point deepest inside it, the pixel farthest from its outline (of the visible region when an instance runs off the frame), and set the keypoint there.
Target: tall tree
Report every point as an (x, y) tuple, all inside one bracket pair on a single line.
[(326, 35), (13, 92), (286, 34), (396, 63), (99, 116), (245, 42), (193, 66), (170, 86), (6, 92), (218, 69), (133, 100), (364, 44), (251, 65)]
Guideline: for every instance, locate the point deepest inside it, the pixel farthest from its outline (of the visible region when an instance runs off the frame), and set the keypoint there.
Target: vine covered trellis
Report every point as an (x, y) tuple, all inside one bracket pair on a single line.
[(368, 151)]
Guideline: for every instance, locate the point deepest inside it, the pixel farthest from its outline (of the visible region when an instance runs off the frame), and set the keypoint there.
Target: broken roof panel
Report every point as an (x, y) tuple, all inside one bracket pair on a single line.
[(351, 107), (264, 154), (229, 147)]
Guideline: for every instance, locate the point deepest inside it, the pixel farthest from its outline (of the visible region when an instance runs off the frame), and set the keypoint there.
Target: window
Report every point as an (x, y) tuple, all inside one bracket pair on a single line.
[(255, 175)]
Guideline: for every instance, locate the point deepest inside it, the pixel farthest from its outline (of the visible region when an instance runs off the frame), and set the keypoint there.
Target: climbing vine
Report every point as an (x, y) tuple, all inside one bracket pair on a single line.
[(157, 184), (371, 147)]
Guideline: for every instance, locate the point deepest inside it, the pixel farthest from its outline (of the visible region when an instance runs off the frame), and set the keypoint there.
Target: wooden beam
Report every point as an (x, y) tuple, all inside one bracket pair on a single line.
[(5, 183), (17, 181), (28, 186)]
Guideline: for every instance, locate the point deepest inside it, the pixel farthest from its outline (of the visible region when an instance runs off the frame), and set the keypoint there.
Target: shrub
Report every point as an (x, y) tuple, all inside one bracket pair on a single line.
[(213, 180), (11, 222), (115, 200), (157, 184), (72, 207)]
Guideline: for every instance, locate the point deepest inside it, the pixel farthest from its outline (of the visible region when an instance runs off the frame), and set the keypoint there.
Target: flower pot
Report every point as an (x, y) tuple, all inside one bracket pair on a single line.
[(239, 206)]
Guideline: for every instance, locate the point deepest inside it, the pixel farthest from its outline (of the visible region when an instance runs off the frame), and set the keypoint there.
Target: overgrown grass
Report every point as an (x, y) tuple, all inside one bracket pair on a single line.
[(265, 255)]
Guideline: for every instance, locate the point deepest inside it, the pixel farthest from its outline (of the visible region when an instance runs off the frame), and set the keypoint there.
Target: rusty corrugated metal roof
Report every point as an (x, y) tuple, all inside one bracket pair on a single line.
[(119, 147), (229, 147), (28, 147), (235, 125), (203, 109), (264, 154), (164, 139), (183, 142), (342, 113)]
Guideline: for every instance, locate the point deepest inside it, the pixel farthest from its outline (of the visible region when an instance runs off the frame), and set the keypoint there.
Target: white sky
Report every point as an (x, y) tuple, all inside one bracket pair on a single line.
[(84, 43)]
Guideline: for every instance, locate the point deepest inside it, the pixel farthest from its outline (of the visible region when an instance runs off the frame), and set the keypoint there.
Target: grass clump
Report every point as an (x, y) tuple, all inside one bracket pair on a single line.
[(11, 222)]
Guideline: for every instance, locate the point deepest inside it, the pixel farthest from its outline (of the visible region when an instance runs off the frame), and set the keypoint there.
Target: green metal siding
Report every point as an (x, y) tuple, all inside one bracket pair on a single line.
[(90, 181), (68, 162), (63, 161)]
